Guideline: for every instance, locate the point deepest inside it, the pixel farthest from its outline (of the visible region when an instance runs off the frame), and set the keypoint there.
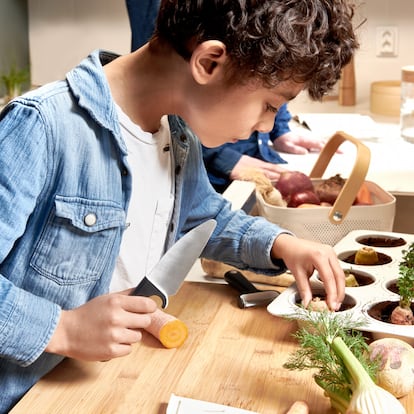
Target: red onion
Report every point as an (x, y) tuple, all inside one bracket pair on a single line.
[(291, 182), (304, 197)]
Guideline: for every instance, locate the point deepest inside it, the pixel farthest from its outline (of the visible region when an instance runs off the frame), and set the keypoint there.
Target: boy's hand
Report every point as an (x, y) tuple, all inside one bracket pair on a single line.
[(103, 328), (302, 257)]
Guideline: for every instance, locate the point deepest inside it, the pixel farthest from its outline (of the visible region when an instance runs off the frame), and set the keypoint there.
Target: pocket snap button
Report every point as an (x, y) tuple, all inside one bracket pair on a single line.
[(90, 219)]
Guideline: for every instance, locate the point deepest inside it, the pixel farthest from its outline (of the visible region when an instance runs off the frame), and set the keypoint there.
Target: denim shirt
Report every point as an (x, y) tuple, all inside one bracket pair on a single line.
[(65, 186)]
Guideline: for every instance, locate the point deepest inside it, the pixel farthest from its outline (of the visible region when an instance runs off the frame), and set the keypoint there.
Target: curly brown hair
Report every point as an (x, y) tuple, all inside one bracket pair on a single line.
[(307, 41)]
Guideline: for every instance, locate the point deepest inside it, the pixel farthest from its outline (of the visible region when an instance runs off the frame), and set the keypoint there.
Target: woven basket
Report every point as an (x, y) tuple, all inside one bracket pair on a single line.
[(330, 224)]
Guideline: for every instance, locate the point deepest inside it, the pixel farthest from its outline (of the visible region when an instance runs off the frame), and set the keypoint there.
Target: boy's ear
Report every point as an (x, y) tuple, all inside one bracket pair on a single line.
[(207, 61)]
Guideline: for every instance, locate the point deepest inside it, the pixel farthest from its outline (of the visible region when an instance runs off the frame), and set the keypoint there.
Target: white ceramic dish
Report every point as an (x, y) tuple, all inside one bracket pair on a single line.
[(360, 299)]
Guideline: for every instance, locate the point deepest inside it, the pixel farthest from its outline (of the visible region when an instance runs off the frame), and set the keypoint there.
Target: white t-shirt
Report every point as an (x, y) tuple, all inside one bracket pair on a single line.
[(152, 199)]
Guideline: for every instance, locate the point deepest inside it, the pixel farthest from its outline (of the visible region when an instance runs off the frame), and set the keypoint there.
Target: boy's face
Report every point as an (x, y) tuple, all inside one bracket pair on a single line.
[(234, 113)]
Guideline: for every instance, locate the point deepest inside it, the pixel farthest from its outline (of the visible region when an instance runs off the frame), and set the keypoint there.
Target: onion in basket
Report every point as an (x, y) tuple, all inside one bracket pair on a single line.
[(304, 197), (291, 182)]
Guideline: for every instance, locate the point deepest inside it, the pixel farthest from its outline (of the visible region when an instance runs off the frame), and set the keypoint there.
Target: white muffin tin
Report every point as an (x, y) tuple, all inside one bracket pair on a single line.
[(362, 298)]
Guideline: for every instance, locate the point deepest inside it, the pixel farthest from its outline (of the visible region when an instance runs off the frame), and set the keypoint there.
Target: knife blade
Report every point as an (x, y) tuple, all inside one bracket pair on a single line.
[(169, 273)]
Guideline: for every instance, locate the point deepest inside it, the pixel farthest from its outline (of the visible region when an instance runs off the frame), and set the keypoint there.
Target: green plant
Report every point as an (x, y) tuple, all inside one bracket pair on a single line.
[(403, 314), (405, 286), (405, 282), (14, 80)]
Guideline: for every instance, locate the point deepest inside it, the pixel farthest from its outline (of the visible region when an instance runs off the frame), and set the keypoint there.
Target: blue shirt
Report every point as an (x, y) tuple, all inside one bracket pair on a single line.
[(65, 186)]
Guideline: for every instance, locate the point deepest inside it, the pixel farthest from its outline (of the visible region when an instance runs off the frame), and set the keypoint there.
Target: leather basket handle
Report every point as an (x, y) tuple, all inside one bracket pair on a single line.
[(347, 195)]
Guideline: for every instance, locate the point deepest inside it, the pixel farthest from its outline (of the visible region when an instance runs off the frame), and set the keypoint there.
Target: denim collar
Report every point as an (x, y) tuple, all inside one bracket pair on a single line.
[(90, 87)]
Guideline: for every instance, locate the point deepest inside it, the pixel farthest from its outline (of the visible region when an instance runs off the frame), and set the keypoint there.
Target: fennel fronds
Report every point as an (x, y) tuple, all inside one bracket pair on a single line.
[(340, 356)]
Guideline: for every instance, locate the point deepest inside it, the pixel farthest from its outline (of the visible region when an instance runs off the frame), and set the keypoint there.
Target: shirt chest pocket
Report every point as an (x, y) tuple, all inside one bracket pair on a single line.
[(78, 240)]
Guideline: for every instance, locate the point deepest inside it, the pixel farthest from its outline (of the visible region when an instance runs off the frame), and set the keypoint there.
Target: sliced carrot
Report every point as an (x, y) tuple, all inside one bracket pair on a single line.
[(364, 196), (169, 330)]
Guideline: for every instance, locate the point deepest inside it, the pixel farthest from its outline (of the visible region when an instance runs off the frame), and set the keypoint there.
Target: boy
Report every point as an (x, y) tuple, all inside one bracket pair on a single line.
[(97, 182), (229, 162)]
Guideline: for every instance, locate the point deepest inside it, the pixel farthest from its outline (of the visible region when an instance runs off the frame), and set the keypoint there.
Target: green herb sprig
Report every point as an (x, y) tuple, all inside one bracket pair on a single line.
[(316, 337), (405, 282)]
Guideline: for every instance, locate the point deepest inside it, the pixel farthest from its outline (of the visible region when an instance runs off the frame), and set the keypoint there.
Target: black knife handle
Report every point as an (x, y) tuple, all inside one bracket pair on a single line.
[(239, 282), (146, 288)]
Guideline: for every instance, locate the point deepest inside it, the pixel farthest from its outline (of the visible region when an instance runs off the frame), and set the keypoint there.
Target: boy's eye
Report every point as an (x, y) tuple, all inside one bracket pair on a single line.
[(271, 108)]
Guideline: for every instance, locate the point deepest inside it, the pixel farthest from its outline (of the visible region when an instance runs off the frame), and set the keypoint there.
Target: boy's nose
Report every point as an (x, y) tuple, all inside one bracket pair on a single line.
[(266, 122), (265, 126)]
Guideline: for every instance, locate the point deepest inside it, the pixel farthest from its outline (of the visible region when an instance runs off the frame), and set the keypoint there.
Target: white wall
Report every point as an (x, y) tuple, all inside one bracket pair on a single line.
[(63, 32), (368, 66)]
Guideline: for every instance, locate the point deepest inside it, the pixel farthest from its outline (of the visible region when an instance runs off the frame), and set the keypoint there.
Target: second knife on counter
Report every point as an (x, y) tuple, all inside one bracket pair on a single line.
[(249, 295)]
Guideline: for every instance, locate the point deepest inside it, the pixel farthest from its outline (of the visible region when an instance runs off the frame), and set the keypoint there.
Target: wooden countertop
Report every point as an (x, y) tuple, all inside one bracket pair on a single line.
[(232, 356)]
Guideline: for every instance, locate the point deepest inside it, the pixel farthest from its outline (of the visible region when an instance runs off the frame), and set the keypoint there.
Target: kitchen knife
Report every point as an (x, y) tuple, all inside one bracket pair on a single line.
[(169, 273), (249, 295)]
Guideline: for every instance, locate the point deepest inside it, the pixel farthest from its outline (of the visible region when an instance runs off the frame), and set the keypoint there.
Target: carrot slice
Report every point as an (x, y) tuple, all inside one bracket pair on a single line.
[(169, 330), (364, 196)]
